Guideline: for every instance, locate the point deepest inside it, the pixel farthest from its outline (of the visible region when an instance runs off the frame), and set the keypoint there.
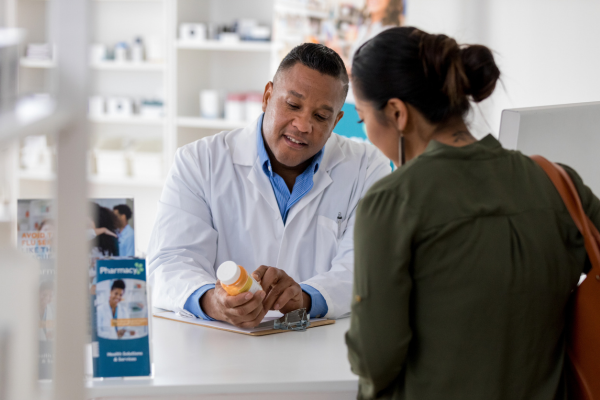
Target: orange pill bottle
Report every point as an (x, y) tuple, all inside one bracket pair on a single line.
[(236, 280)]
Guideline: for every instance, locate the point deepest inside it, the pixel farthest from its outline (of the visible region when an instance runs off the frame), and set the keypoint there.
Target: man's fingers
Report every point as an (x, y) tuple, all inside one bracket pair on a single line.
[(254, 322), (287, 295), (235, 301), (270, 278), (246, 309), (259, 272), (275, 292)]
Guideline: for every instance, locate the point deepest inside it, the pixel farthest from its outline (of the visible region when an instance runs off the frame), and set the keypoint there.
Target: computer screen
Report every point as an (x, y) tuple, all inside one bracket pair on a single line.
[(568, 134)]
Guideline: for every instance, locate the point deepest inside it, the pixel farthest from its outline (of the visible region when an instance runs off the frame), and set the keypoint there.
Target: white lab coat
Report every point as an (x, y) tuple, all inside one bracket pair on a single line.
[(104, 317), (218, 205)]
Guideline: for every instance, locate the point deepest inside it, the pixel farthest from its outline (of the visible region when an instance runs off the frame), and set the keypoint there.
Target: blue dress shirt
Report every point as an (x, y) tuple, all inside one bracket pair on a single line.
[(126, 242), (285, 200)]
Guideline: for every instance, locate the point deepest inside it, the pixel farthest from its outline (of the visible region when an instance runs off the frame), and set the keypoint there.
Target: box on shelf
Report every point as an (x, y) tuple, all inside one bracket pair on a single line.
[(36, 156), (151, 108), (119, 107), (192, 32), (111, 160), (147, 160)]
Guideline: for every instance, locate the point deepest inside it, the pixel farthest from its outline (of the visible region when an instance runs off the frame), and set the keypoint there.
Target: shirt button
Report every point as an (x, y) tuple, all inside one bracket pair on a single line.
[(357, 298)]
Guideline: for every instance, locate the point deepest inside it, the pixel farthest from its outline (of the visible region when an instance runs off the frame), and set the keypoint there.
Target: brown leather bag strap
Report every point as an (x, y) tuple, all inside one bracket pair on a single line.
[(565, 187)]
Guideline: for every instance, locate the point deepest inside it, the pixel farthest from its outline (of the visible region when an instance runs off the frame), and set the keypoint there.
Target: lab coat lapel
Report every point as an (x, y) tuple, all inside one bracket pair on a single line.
[(263, 185), (244, 152), (333, 156)]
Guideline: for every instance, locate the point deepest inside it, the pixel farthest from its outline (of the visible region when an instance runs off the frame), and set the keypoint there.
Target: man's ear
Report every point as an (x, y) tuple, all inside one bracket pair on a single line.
[(396, 113), (267, 95), (337, 119)]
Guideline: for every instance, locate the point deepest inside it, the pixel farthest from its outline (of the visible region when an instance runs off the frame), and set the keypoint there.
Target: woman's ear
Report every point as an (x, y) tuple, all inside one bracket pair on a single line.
[(396, 112)]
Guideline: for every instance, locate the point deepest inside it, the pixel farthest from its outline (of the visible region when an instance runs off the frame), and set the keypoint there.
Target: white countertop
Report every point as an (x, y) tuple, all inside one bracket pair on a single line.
[(194, 360)]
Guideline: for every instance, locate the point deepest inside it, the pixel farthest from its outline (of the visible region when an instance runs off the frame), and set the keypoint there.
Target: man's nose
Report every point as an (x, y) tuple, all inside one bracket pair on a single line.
[(303, 123)]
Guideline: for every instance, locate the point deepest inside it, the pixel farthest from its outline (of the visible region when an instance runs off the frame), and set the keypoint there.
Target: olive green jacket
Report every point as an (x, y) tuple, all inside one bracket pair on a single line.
[(465, 259)]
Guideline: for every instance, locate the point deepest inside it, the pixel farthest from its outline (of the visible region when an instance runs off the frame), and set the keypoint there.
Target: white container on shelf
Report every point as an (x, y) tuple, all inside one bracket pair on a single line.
[(229, 37), (192, 32), (36, 156), (155, 52), (210, 106), (98, 53), (111, 160), (96, 106), (253, 105), (235, 108), (147, 160), (121, 51), (119, 107), (137, 50)]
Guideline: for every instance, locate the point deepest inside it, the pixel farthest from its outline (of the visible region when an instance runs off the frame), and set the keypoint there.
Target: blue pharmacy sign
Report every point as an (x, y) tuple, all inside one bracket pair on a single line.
[(121, 346)]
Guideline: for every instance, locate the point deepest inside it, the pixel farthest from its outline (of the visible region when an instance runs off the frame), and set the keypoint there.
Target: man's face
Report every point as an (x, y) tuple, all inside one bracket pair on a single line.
[(122, 220), (301, 109)]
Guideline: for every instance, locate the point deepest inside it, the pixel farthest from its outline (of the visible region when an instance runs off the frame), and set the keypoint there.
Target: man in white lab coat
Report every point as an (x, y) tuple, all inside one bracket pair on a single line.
[(278, 197)]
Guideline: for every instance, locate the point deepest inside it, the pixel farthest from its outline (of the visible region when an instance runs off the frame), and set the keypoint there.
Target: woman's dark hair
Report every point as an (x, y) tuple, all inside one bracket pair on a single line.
[(118, 284), (430, 72), (105, 218)]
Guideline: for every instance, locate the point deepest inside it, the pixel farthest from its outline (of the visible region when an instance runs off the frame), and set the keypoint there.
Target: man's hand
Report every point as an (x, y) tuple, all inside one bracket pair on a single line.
[(283, 293), (244, 310)]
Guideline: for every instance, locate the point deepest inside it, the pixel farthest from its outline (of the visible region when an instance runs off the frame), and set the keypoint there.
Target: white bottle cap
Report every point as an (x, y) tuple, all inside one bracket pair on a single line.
[(228, 272)]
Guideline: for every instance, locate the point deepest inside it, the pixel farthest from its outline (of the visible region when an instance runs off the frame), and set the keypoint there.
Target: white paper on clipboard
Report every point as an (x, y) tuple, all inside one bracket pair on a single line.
[(265, 325)]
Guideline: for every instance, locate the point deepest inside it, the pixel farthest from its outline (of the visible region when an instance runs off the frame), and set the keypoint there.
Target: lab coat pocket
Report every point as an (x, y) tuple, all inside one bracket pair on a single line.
[(327, 243)]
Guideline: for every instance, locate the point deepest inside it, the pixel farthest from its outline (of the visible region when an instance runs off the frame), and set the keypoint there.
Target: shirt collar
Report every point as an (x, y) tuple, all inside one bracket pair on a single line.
[(265, 161)]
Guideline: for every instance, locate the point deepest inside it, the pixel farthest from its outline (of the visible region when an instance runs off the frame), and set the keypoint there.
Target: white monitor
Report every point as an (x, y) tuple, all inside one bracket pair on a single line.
[(569, 134)]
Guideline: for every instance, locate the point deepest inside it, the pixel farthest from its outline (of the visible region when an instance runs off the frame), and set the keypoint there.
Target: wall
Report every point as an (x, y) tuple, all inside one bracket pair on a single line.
[(547, 50)]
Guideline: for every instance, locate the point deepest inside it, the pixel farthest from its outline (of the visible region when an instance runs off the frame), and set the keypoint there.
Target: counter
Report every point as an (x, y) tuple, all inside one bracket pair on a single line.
[(201, 363)]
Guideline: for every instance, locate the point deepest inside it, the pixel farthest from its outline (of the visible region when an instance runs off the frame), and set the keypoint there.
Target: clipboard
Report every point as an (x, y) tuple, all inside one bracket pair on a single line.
[(263, 329)]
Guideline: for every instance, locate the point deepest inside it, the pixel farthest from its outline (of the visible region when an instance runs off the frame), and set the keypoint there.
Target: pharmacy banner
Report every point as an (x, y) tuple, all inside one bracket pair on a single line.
[(120, 345)]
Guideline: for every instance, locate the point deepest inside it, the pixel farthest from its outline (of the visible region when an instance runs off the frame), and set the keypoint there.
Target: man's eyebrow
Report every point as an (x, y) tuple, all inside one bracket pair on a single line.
[(294, 93), (326, 107)]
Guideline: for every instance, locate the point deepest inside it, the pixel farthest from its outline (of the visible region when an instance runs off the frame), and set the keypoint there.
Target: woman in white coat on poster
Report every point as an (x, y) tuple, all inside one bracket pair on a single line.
[(106, 311)]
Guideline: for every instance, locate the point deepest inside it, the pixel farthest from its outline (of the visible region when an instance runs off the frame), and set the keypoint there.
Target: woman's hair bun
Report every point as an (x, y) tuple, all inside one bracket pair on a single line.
[(481, 71), (432, 73), (461, 70)]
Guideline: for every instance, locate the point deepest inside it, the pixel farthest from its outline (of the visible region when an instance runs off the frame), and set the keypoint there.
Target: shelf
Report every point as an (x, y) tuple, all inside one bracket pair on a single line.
[(125, 181), (197, 122), (126, 121), (102, 66), (95, 179), (300, 9), (27, 63), (127, 66), (225, 46)]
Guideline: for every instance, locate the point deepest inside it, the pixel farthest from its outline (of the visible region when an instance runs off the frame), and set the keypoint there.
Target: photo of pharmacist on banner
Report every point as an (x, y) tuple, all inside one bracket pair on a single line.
[(121, 309), (46, 294)]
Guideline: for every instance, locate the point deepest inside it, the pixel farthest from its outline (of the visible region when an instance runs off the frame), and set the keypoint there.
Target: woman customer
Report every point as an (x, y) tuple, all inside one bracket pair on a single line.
[(466, 256), (104, 225)]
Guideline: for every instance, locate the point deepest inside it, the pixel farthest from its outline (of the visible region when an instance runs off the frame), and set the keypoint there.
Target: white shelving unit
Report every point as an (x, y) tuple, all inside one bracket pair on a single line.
[(128, 66), (220, 124), (187, 69), (135, 120), (226, 46)]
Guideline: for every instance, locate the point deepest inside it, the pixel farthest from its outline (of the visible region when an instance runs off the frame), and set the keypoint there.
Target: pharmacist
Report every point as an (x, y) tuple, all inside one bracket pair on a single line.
[(278, 197)]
